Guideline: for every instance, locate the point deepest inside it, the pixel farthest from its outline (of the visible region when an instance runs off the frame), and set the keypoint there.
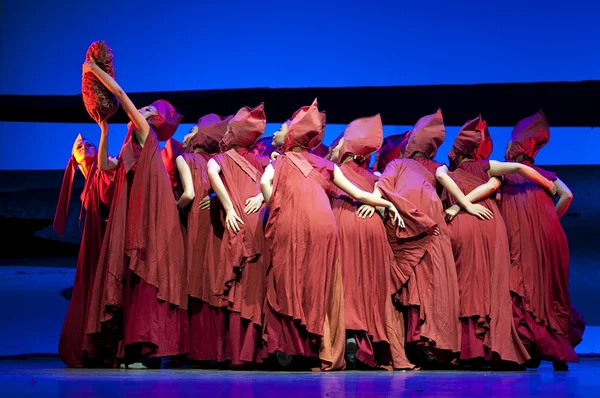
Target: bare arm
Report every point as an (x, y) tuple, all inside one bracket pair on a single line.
[(266, 182), (185, 175), (105, 163), (498, 169), (466, 201), (140, 124), (232, 220), (342, 182), (441, 174), (565, 197)]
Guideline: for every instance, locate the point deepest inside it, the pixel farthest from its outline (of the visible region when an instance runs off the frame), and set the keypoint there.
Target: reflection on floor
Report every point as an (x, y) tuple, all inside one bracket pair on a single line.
[(49, 378)]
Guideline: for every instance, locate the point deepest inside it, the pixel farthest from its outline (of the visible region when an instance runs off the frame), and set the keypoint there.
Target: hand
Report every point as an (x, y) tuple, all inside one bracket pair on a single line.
[(88, 66), (365, 211), (451, 212), (185, 199), (395, 216), (483, 213), (253, 204), (232, 220), (205, 203), (274, 155), (103, 124)]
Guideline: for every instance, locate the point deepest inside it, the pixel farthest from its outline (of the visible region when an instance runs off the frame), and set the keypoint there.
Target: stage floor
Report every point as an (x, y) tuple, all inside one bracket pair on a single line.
[(49, 378)]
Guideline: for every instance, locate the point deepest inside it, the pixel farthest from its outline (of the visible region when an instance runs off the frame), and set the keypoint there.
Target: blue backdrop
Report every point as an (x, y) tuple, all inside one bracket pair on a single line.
[(182, 45)]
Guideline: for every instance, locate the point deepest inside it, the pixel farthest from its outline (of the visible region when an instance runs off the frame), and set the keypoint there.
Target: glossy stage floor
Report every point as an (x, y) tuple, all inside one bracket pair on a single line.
[(49, 378)]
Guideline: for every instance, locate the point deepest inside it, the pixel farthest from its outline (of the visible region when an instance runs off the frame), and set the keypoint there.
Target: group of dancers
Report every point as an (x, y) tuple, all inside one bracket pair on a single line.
[(232, 250)]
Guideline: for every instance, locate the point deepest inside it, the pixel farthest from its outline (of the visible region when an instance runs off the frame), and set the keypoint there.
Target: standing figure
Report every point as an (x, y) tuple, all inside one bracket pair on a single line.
[(304, 308), (75, 348), (539, 251), (429, 291), (235, 177), (140, 287), (480, 247), (374, 328), (205, 229)]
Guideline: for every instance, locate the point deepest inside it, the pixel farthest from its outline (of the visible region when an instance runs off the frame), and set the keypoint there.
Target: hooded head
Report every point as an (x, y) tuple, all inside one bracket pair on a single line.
[(163, 117), (306, 128), (83, 151), (207, 133), (361, 138), (244, 128), (528, 137), (390, 150), (473, 141), (427, 136)]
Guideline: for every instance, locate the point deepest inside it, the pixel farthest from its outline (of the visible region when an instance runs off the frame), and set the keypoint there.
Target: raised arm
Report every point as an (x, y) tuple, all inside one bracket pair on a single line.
[(565, 197), (498, 169), (104, 162), (266, 182), (340, 180), (140, 124), (185, 174), (231, 217)]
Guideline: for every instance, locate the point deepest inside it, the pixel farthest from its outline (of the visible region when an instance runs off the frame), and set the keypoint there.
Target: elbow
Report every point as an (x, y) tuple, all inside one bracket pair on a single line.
[(120, 94), (494, 184)]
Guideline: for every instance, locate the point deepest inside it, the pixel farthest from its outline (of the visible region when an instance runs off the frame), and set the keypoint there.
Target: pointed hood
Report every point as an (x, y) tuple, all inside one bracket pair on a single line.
[(306, 129), (211, 130), (245, 128), (362, 137), (167, 120), (427, 135), (473, 140), (528, 137)]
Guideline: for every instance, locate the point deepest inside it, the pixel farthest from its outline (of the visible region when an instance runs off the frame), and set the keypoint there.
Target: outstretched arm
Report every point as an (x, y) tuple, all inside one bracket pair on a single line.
[(231, 217), (498, 169), (565, 197), (185, 174), (140, 124), (266, 182), (104, 162)]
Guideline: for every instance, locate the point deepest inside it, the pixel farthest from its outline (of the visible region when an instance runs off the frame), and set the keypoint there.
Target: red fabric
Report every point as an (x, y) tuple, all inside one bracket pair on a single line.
[(428, 278), (528, 137), (144, 236), (242, 272), (362, 137), (427, 136), (75, 348), (208, 332), (473, 140), (306, 129), (482, 260), (169, 155), (539, 255), (244, 128), (167, 120), (210, 131), (303, 243), (367, 267), (389, 151), (321, 150)]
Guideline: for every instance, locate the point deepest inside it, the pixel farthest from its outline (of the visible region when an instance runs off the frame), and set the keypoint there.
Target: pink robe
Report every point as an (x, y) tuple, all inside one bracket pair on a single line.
[(483, 265), (141, 270), (539, 278), (429, 286), (75, 348), (243, 258), (368, 263), (304, 287)]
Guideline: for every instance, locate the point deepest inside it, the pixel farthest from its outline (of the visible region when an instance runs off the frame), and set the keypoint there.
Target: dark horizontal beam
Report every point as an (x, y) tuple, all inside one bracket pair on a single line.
[(565, 104)]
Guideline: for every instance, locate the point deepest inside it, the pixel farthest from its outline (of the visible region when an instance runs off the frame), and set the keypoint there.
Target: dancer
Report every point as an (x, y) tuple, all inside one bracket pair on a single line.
[(481, 251), (539, 251), (235, 177), (304, 286), (374, 328), (429, 291), (141, 271), (75, 348)]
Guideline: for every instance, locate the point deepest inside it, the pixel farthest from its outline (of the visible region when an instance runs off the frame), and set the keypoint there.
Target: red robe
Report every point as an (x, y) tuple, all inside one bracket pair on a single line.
[(75, 348), (205, 229), (304, 286), (539, 277), (428, 283), (483, 265), (368, 263), (141, 268), (243, 258)]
